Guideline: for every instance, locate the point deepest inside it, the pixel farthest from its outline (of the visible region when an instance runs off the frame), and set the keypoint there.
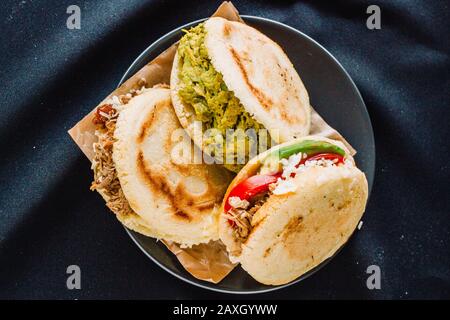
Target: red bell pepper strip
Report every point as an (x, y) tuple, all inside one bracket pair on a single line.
[(251, 187), (255, 185)]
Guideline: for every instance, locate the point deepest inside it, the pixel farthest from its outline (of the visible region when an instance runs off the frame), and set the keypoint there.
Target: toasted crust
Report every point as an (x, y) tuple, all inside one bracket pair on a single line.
[(260, 74), (184, 112), (176, 198), (309, 226), (292, 233)]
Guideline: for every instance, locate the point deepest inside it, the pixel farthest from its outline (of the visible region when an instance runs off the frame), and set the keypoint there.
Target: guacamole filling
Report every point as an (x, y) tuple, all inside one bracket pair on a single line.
[(203, 88)]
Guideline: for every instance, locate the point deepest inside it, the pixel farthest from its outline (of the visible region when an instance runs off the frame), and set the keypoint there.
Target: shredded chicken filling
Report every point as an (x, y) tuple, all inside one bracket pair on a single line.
[(242, 213), (105, 175), (106, 181)]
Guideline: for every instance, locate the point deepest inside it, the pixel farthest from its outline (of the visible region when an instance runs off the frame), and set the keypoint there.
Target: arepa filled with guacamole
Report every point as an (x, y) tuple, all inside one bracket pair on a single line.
[(236, 92)]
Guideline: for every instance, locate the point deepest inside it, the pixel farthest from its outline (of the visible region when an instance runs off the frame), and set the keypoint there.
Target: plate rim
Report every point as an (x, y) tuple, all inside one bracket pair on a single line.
[(365, 115)]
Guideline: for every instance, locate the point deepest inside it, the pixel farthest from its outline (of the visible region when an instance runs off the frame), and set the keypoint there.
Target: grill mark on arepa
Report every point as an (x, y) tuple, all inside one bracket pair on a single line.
[(179, 196), (226, 29), (182, 214), (289, 118), (267, 252), (147, 125), (160, 187), (293, 226), (262, 98)]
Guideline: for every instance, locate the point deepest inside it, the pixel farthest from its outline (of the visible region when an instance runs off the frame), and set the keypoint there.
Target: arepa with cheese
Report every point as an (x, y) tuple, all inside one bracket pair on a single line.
[(291, 208)]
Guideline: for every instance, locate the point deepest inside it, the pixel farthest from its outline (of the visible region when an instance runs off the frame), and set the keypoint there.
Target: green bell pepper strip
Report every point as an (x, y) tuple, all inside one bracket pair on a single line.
[(309, 147)]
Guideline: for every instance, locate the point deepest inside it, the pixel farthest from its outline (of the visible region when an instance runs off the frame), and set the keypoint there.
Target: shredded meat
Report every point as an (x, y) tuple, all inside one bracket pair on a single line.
[(105, 175), (243, 216), (103, 113)]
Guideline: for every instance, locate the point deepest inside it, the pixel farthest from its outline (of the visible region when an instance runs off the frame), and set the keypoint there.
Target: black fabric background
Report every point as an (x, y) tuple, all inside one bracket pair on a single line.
[(51, 76)]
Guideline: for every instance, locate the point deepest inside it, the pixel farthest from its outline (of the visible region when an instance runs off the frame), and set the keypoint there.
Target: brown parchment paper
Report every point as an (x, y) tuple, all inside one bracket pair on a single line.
[(210, 261)]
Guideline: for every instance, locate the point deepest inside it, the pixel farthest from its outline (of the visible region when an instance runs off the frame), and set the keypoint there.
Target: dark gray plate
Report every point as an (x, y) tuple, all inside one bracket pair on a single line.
[(333, 94)]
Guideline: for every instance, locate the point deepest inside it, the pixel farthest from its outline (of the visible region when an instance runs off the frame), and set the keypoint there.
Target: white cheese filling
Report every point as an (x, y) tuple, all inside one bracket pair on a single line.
[(286, 183)]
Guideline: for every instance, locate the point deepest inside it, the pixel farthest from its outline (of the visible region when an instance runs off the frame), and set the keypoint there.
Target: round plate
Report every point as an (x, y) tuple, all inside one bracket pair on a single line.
[(333, 94)]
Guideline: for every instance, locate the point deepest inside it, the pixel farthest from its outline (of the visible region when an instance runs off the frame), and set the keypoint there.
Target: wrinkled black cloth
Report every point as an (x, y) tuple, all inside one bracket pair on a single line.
[(51, 76)]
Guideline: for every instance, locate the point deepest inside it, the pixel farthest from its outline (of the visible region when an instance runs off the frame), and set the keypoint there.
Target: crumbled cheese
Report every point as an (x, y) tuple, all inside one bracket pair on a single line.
[(116, 100), (290, 170), (285, 186), (289, 165), (238, 203), (360, 225)]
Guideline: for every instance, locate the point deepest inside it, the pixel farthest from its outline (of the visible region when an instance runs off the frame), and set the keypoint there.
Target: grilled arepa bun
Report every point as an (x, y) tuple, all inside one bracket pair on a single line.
[(304, 219), (228, 75), (161, 193)]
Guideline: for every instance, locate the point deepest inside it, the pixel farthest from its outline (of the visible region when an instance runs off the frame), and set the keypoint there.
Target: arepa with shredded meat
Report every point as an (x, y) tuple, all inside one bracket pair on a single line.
[(152, 188), (311, 199)]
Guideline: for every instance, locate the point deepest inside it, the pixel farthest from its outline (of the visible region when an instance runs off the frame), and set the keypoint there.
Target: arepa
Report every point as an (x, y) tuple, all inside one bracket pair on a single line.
[(155, 189), (228, 75), (313, 203)]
